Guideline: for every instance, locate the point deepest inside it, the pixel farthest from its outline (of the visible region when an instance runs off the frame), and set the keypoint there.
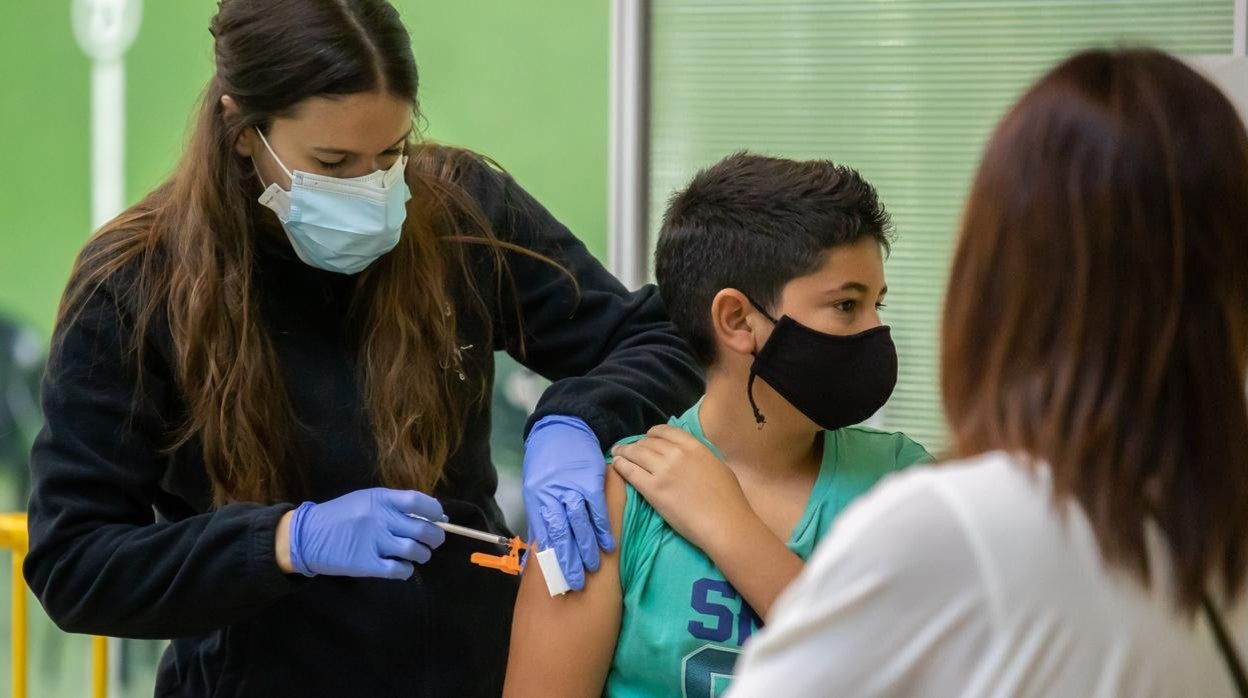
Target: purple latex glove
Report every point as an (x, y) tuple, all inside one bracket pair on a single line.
[(366, 533), (564, 471)]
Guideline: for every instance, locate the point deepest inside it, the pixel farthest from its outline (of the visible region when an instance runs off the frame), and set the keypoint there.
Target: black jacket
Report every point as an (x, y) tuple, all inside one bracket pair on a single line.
[(124, 540)]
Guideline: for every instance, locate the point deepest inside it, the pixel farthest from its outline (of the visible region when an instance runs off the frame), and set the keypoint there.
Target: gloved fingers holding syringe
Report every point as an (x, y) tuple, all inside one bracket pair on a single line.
[(375, 532), (384, 533)]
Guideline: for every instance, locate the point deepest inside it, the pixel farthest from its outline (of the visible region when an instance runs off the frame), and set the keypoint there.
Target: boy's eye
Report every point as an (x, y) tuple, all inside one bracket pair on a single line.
[(331, 166), (846, 306), (880, 306)]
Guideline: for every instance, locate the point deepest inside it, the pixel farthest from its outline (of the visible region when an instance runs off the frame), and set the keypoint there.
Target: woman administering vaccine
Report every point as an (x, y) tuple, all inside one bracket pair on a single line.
[(270, 379)]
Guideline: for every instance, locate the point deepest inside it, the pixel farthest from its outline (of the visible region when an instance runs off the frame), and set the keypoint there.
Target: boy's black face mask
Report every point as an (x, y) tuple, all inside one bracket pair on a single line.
[(835, 380)]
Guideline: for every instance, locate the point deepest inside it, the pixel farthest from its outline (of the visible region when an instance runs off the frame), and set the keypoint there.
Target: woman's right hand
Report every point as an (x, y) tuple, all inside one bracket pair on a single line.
[(366, 533)]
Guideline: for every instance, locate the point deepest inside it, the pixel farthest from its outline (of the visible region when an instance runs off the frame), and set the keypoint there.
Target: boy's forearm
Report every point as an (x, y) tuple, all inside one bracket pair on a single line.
[(757, 563)]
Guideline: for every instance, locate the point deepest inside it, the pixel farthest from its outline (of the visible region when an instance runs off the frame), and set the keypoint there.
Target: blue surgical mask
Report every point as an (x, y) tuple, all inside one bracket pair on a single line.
[(340, 225)]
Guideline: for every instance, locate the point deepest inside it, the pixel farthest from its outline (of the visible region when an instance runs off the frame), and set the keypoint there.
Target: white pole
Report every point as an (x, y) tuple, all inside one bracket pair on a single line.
[(628, 247), (105, 30), (108, 140)]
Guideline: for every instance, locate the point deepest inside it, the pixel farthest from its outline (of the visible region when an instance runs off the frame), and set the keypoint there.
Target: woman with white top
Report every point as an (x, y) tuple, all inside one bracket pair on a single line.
[(1091, 538)]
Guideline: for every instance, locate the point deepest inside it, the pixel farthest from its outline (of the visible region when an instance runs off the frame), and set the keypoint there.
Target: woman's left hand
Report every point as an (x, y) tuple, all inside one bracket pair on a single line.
[(694, 491)]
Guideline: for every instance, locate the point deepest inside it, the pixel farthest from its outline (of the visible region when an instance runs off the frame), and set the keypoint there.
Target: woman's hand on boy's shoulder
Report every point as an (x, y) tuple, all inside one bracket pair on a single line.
[(693, 490)]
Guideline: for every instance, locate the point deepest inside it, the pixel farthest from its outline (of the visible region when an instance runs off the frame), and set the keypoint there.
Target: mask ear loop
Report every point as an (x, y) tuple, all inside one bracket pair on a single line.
[(759, 418), (749, 391), (276, 159)]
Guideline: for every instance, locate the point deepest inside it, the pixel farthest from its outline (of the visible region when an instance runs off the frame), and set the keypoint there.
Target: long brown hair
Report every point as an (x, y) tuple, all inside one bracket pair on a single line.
[(192, 243), (1097, 312)]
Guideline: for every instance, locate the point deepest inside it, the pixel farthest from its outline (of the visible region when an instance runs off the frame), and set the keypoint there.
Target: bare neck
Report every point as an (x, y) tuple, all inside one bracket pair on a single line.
[(786, 445)]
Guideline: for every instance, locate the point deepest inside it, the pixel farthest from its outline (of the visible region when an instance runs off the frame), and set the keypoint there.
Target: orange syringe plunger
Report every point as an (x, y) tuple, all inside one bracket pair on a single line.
[(509, 563)]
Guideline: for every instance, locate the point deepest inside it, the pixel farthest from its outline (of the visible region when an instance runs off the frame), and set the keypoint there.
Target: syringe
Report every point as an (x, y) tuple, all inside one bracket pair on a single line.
[(467, 532)]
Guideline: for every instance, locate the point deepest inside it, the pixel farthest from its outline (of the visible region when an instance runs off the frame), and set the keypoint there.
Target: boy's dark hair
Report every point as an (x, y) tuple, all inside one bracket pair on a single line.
[(754, 223)]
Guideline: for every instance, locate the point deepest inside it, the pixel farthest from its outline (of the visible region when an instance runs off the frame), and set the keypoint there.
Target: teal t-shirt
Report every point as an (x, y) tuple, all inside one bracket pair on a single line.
[(683, 625)]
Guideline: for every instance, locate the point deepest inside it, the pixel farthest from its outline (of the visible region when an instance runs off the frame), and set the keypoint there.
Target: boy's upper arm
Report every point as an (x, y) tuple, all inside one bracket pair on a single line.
[(563, 645)]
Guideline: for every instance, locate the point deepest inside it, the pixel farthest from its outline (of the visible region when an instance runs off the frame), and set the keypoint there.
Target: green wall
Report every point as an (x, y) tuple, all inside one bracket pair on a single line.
[(523, 82)]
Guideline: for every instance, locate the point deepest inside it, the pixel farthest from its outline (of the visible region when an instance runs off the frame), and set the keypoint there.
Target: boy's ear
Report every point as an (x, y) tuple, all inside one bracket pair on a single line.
[(734, 320)]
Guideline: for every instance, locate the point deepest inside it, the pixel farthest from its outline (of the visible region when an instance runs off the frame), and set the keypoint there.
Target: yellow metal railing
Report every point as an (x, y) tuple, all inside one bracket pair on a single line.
[(13, 538)]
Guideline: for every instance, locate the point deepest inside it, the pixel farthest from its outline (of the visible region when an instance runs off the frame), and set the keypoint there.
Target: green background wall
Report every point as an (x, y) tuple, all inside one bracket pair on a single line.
[(524, 82)]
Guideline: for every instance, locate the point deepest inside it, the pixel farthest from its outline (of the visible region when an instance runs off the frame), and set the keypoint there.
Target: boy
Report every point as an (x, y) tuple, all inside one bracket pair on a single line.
[(773, 271)]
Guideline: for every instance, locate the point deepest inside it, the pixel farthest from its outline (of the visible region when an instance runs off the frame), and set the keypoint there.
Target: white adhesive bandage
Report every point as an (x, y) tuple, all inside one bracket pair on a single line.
[(555, 583)]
